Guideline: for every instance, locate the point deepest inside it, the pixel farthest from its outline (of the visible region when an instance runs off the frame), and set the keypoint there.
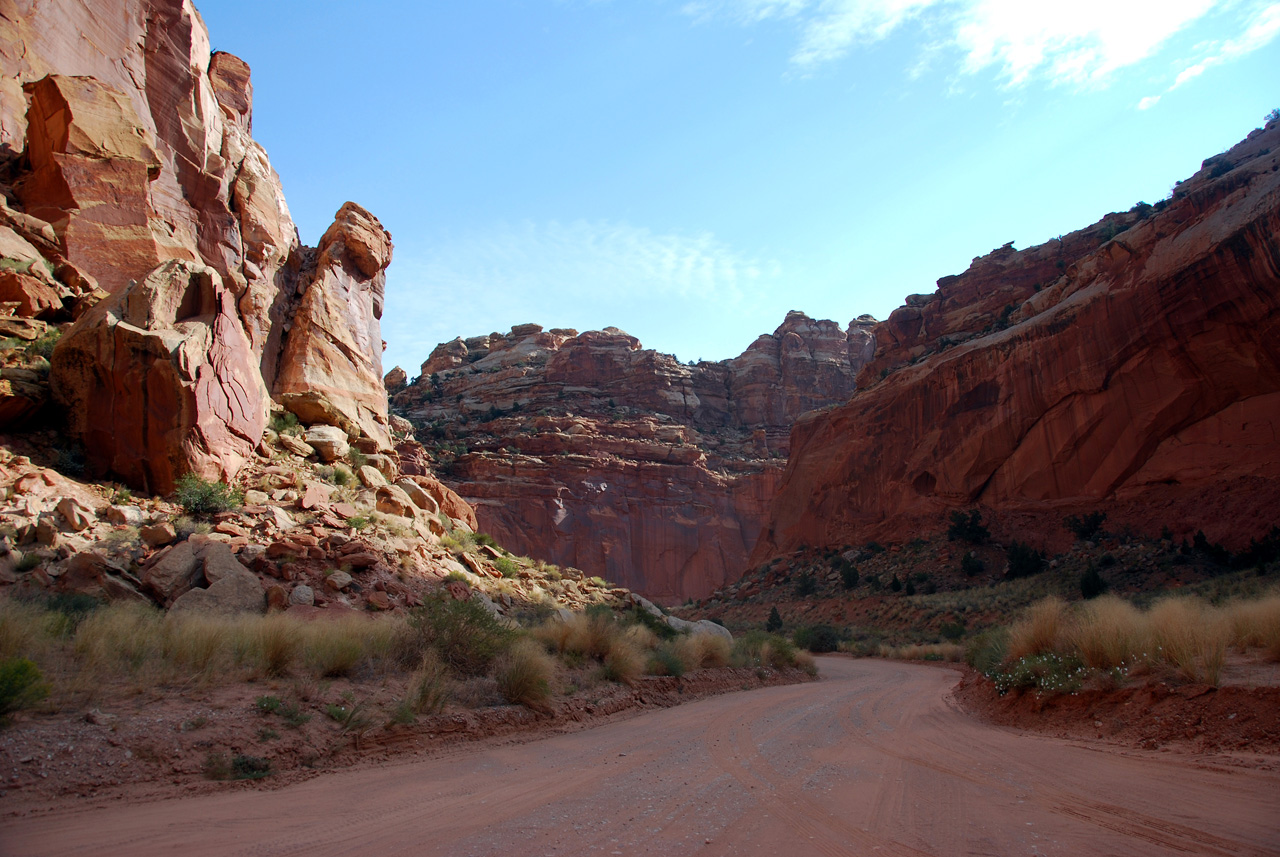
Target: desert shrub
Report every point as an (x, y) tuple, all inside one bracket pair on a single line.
[(429, 686), (21, 686), (1024, 561), (953, 631), (1192, 637), (774, 623), (1048, 672), (194, 641), (1109, 632), (1040, 629), (807, 584), (624, 663), (667, 660), (524, 675), (895, 584), (986, 650), (971, 565), (333, 654), (285, 422), (463, 634), (484, 539), (1255, 623), (506, 566), (277, 644), (119, 637), (762, 649), (356, 459), (817, 638), (1087, 526), (43, 346), (848, 575), (702, 650), (201, 497), (968, 528), (1091, 583)]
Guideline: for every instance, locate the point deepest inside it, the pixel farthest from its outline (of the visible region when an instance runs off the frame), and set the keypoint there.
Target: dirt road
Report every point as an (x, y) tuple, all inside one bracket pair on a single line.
[(870, 760)]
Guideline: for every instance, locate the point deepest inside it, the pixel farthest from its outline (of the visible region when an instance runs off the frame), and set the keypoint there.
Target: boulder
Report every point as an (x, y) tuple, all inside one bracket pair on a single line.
[(90, 573), (302, 595), (296, 446), (419, 496), (77, 515), (385, 464), (329, 442), (159, 535), (171, 574), (159, 380), (34, 299), (393, 500), (237, 590), (338, 580), (130, 516), (371, 476)]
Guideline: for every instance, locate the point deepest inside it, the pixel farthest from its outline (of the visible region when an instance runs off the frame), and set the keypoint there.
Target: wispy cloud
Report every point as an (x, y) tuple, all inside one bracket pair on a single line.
[(1081, 44), (550, 272), (1260, 25)]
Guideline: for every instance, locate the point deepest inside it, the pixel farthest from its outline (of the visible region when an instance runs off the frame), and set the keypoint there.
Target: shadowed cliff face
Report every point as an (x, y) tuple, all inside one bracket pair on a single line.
[(1139, 374), (588, 450)]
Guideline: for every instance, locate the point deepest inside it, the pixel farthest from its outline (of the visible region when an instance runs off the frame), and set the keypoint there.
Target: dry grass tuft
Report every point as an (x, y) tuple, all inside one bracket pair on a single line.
[(1040, 630), (524, 675), (1109, 632)]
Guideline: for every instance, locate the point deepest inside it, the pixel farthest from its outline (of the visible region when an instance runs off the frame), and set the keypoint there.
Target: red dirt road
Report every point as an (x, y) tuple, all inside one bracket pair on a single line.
[(873, 759)]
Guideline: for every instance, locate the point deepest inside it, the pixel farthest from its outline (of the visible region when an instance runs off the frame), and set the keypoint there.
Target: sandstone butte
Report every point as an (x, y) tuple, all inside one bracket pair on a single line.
[(1132, 367), (590, 451), (146, 211)]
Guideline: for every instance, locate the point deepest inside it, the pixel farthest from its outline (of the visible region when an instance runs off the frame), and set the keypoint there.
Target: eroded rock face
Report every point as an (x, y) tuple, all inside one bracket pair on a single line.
[(138, 141), (160, 380), (1140, 377), (334, 348), (636, 468)]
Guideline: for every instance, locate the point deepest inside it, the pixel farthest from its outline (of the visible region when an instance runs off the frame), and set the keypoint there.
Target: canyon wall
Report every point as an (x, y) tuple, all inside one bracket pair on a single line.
[(126, 149), (588, 450), (1131, 367)]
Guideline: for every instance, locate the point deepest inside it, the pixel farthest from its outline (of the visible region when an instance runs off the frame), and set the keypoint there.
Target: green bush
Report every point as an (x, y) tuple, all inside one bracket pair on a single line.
[(986, 651), (817, 638), (285, 422), (849, 575), (201, 497), (1024, 561), (506, 566), (1091, 583), (21, 686), (665, 660), (1087, 527), (971, 565), (968, 528), (774, 622), (1049, 672), (463, 635), (806, 585)]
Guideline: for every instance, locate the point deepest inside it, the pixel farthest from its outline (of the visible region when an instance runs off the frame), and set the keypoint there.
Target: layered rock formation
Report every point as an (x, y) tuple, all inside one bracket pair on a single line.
[(588, 450), (125, 147), (1131, 367)]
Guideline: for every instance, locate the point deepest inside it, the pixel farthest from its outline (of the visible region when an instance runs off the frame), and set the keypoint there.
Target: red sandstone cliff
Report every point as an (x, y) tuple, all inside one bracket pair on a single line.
[(588, 450), (125, 148), (1133, 366)]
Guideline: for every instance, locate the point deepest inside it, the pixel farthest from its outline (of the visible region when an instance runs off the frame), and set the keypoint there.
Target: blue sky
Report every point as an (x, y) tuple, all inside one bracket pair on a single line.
[(691, 170)]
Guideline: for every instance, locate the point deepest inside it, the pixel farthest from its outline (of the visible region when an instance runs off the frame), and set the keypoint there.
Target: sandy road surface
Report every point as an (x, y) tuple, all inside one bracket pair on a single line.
[(871, 760)]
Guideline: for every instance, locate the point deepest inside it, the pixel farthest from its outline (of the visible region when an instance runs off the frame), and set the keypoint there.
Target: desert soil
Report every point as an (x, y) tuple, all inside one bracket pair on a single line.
[(876, 758)]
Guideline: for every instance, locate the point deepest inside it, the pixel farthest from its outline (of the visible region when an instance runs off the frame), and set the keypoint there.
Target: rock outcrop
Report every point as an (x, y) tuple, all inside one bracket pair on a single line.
[(136, 155), (160, 380), (588, 450), (1131, 367), (334, 347)]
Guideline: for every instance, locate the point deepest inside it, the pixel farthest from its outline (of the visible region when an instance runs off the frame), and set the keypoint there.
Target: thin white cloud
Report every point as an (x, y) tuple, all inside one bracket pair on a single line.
[(517, 272), (1080, 44), (1261, 27), (1149, 102)]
